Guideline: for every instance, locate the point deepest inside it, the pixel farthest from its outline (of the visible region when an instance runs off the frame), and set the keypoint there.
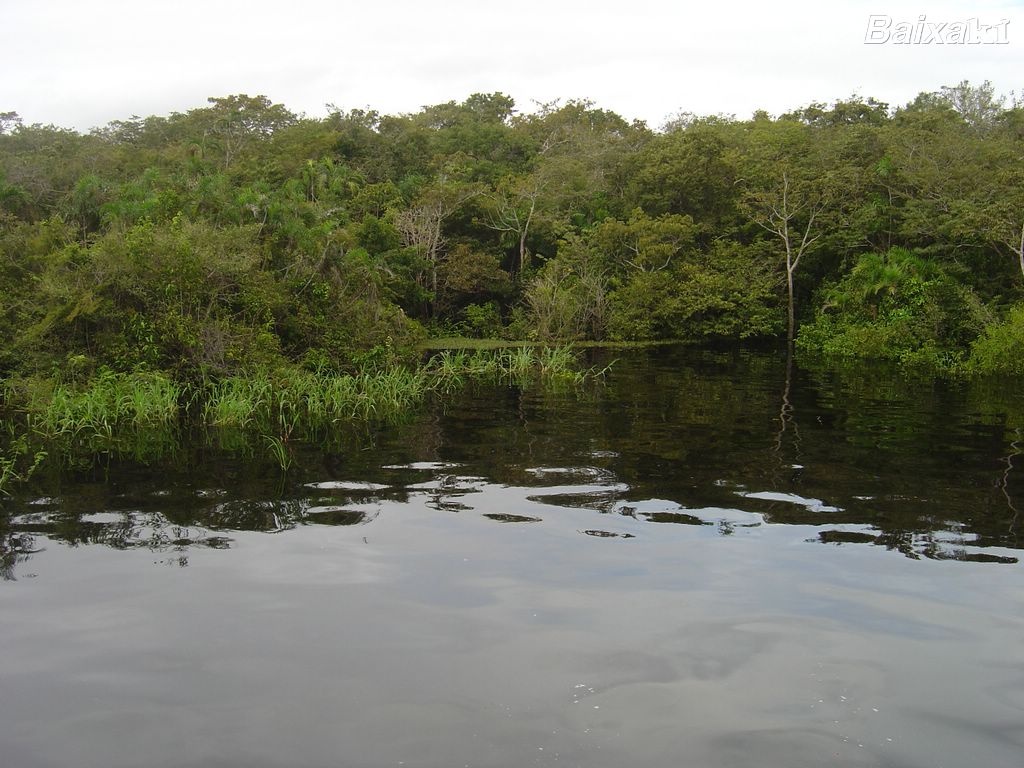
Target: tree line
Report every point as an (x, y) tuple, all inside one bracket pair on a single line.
[(242, 235)]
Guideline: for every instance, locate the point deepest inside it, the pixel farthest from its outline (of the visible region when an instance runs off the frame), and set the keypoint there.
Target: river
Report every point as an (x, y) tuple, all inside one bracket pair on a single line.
[(710, 558)]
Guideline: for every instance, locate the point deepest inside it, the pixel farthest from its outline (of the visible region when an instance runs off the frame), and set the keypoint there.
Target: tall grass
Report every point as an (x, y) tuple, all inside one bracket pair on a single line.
[(18, 461), (452, 369), (281, 401), (278, 449), (285, 400), (115, 411), (238, 401), (110, 402)]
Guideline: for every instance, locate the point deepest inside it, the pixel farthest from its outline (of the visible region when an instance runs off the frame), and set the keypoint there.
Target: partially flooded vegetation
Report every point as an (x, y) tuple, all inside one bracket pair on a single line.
[(123, 410)]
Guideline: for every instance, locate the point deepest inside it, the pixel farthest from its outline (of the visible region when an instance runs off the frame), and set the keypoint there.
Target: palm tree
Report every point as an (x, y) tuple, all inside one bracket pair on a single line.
[(881, 276)]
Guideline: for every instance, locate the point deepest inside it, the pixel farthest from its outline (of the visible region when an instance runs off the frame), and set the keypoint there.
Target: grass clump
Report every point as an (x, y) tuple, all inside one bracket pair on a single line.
[(18, 461), (282, 400), (238, 401), (291, 398), (124, 411), (514, 365), (111, 401)]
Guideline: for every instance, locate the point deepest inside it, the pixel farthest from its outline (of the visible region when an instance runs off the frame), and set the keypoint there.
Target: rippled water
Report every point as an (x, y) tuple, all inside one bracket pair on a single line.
[(710, 560)]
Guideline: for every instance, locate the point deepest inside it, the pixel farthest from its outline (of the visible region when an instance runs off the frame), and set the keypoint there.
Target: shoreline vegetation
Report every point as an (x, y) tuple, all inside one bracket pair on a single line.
[(239, 264), (112, 409)]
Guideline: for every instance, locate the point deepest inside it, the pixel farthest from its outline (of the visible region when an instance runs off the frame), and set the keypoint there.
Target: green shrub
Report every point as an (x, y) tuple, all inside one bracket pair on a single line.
[(727, 292), (897, 306), (482, 321), (1000, 349)]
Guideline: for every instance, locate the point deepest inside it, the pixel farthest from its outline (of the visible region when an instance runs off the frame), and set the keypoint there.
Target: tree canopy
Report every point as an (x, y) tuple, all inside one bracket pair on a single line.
[(241, 233)]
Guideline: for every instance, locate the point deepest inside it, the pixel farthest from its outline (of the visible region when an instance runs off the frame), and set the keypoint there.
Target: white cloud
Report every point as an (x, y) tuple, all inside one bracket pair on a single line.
[(80, 63)]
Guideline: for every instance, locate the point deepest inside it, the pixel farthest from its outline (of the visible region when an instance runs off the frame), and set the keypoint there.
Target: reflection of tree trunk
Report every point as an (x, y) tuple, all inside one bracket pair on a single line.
[(791, 333), (786, 413), (1004, 483)]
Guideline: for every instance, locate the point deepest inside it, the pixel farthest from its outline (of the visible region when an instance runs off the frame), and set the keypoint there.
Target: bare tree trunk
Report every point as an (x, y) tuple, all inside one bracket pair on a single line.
[(506, 216), (526, 228), (1020, 250), (522, 248), (422, 227), (774, 211), (790, 269)]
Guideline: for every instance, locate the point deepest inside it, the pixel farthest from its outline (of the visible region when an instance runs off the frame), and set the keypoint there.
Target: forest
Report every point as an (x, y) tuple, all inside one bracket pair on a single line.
[(241, 237)]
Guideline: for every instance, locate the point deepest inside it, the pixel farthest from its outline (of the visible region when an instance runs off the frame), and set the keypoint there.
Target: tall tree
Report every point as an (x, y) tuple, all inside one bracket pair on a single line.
[(512, 207), (422, 225), (792, 192)]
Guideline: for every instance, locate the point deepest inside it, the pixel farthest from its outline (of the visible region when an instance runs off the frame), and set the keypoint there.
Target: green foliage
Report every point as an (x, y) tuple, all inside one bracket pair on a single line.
[(643, 244), (239, 236), (109, 402), (273, 274), (688, 171), (18, 461), (482, 321), (566, 300), (897, 306), (470, 277), (1000, 349), (183, 297), (728, 292)]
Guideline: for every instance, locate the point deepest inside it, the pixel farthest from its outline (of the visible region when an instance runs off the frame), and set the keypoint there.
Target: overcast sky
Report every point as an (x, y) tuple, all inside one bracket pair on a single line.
[(82, 63)]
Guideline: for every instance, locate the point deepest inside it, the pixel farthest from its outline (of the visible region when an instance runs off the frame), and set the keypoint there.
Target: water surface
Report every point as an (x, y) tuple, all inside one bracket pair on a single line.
[(713, 559)]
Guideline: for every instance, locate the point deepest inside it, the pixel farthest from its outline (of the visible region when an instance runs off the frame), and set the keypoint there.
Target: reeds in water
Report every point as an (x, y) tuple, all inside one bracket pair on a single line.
[(514, 365), (110, 402), (117, 409), (282, 401), (288, 399), (18, 461)]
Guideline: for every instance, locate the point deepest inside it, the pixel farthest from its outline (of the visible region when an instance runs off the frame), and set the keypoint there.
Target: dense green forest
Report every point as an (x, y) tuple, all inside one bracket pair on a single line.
[(240, 236)]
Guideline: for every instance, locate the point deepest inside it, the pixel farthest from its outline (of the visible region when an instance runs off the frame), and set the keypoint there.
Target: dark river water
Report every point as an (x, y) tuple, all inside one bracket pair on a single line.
[(711, 559)]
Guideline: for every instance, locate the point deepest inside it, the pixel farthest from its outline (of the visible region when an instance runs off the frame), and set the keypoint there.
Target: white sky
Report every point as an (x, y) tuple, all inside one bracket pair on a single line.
[(81, 63)]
